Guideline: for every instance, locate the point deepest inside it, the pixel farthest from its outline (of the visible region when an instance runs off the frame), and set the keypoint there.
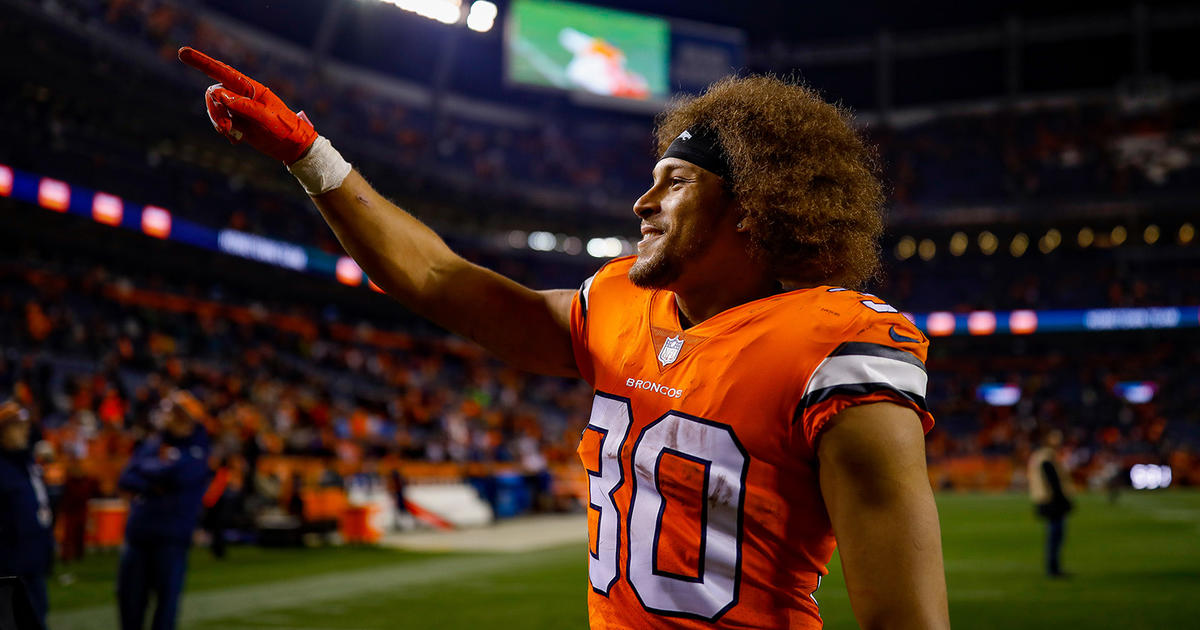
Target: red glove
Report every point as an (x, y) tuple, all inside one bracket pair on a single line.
[(241, 108)]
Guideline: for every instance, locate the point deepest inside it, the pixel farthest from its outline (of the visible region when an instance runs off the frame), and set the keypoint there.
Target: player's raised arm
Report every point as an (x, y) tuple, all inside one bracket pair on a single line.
[(529, 329)]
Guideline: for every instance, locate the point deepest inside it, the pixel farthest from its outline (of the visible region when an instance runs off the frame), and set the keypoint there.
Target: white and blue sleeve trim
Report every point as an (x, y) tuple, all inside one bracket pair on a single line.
[(859, 368)]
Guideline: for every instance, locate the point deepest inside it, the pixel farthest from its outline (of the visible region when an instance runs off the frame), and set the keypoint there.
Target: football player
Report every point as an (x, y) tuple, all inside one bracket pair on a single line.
[(751, 406)]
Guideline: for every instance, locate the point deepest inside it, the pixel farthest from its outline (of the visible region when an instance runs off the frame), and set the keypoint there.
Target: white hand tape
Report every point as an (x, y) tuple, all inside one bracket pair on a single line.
[(322, 169)]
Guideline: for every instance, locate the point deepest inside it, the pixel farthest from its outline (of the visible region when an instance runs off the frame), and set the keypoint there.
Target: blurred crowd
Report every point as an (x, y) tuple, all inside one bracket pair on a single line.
[(91, 353), (1073, 383), (1070, 278), (1072, 151)]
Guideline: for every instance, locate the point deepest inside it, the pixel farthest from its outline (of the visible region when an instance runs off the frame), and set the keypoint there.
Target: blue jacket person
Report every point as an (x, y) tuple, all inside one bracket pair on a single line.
[(26, 523), (167, 476)]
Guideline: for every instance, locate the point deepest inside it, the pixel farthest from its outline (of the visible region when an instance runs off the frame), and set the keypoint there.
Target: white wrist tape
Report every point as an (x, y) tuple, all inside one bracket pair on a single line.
[(321, 169)]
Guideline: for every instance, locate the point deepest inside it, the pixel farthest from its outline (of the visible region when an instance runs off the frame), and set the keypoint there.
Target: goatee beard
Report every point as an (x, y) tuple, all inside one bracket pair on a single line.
[(657, 271)]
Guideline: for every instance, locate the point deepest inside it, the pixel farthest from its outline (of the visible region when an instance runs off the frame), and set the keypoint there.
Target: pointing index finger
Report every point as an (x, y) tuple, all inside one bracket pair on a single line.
[(232, 79)]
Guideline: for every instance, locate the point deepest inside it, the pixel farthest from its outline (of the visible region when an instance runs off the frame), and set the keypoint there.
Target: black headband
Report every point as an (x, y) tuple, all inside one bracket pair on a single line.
[(700, 146)]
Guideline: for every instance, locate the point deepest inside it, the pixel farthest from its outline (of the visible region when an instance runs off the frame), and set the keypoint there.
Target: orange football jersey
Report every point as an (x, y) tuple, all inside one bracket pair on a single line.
[(705, 509)]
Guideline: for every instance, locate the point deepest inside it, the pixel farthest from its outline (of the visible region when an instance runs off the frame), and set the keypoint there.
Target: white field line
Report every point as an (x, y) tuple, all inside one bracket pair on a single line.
[(246, 601)]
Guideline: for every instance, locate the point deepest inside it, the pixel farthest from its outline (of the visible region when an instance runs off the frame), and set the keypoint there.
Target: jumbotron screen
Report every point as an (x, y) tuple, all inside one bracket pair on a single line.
[(590, 49)]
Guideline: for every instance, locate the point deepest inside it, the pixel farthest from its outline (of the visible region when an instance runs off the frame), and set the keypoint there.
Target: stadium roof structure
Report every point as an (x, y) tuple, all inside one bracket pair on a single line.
[(873, 56)]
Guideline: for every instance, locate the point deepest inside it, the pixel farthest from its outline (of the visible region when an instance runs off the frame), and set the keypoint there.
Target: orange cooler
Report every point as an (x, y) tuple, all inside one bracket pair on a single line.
[(106, 522)]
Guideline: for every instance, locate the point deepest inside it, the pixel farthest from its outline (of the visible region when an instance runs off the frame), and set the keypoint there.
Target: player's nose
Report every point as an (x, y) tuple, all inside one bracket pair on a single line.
[(647, 204)]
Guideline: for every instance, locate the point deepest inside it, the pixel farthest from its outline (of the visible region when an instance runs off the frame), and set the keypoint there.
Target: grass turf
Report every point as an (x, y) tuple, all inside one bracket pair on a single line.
[(1135, 564)]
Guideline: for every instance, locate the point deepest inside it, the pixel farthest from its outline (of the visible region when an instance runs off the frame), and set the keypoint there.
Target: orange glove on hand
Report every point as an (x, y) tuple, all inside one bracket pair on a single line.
[(241, 108)]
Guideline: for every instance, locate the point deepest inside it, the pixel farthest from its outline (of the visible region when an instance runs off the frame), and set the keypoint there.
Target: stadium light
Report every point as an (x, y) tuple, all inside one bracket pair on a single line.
[(156, 222), (1149, 476), (981, 323), (6, 181), (516, 239), (542, 241), (1186, 233), (572, 245), (1086, 236), (1118, 235), (1023, 322), (604, 247), (107, 209), (482, 16), (1051, 240), (906, 248), (940, 324), (926, 249), (444, 11), (1018, 245), (988, 243), (958, 244), (1151, 234), (348, 272), (54, 195)]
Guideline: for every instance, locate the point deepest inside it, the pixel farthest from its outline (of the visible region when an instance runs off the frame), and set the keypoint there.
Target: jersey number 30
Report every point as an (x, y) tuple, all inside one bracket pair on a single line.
[(709, 445)]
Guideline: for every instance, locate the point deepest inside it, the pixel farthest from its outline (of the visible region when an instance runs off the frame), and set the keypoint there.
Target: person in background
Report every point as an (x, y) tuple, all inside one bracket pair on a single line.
[(167, 475), (80, 488), (295, 504), (1048, 490), (26, 523), (217, 506)]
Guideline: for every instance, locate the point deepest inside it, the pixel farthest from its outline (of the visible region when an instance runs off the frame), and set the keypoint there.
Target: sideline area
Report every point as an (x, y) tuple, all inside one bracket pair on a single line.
[(1133, 564), (240, 604), (515, 535)]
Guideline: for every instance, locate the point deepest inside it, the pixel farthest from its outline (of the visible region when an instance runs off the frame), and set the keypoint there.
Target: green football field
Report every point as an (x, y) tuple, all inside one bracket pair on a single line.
[(1135, 564)]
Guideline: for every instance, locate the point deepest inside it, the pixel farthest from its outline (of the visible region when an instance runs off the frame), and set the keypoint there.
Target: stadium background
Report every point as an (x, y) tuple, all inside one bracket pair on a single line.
[(1042, 161)]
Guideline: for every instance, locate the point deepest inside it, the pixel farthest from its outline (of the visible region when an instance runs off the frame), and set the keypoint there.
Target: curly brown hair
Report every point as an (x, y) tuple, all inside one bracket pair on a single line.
[(805, 179)]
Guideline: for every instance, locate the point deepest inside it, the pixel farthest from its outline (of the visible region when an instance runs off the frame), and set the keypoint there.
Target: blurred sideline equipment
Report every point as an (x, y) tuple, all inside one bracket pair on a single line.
[(447, 505), (26, 534)]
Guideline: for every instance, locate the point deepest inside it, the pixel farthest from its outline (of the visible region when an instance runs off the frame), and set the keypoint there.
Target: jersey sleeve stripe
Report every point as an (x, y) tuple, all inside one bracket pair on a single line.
[(859, 348), (858, 389), (857, 369), (584, 290)]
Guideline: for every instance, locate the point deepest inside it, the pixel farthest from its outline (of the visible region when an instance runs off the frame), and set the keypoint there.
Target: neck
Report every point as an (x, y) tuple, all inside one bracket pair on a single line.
[(721, 292)]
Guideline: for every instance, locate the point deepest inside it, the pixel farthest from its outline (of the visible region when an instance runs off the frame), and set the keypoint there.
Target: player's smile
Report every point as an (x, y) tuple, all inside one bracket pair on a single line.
[(650, 234)]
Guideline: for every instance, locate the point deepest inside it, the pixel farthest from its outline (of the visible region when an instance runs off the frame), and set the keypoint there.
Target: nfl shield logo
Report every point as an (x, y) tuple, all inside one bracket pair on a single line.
[(670, 350)]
